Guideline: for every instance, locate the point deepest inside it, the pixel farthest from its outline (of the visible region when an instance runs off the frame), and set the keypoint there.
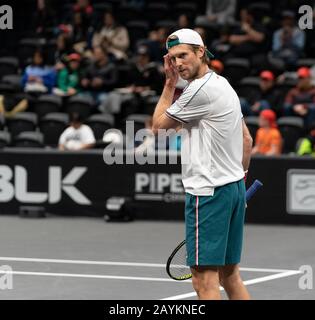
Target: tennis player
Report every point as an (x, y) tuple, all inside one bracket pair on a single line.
[(215, 160)]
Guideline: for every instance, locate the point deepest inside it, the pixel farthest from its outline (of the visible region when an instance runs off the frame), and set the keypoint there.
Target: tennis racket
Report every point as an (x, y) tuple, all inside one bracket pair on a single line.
[(176, 266)]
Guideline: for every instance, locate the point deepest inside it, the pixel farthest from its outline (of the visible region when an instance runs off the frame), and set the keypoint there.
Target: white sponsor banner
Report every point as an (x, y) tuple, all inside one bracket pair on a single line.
[(301, 191)]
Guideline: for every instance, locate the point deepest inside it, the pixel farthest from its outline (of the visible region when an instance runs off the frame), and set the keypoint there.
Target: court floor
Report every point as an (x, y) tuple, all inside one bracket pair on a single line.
[(87, 258)]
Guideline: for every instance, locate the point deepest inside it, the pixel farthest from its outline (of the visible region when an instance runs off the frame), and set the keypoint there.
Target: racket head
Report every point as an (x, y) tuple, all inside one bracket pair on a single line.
[(177, 262)]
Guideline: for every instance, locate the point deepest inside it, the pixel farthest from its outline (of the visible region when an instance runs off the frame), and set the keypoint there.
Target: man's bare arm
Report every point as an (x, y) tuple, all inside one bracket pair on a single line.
[(247, 146)]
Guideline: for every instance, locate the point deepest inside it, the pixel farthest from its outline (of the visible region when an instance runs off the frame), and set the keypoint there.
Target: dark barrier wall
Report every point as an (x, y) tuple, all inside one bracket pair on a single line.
[(80, 183)]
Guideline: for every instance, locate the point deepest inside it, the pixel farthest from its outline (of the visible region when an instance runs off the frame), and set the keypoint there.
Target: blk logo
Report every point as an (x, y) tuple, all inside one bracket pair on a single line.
[(14, 184)]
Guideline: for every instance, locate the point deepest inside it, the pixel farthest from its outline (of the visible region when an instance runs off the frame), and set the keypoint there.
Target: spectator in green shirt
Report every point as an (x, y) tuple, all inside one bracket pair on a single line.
[(69, 78), (307, 145)]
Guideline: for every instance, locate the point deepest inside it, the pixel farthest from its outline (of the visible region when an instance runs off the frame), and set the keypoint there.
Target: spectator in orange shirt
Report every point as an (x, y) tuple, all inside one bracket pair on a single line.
[(268, 138)]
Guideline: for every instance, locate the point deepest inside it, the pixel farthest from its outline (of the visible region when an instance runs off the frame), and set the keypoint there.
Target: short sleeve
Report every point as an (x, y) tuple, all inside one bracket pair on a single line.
[(88, 136), (192, 104)]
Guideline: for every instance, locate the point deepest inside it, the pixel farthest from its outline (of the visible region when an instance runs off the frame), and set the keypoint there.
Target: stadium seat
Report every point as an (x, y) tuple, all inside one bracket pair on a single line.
[(14, 80), (8, 65), (124, 78), (138, 120), (5, 139), (306, 62), (22, 121), (51, 126), (252, 125), (2, 122), (236, 69), (150, 104), (169, 24), (188, 8), (81, 104), (291, 128), (138, 29), (248, 88), (156, 11), (285, 87), (99, 123), (128, 12), (47, 103), (29, 139)]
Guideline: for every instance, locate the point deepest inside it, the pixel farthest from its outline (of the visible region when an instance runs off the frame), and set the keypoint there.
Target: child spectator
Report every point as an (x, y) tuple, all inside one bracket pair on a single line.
[(268, 138), (77, 136)]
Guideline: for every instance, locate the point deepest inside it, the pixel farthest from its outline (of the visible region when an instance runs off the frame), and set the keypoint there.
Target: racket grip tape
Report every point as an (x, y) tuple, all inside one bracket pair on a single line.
[(252, 189)]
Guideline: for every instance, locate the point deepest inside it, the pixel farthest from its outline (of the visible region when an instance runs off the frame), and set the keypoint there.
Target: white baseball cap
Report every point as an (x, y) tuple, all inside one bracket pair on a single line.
[(186, 36)]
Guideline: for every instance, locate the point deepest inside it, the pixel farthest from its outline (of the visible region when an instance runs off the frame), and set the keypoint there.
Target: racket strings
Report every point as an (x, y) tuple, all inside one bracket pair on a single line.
[(178, 267)]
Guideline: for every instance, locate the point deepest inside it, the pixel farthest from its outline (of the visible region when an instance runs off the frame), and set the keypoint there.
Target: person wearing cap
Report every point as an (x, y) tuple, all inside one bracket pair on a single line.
[(68, 82), (287, 42), (268, 139), (215, 148), (300, 100), (267, 97)]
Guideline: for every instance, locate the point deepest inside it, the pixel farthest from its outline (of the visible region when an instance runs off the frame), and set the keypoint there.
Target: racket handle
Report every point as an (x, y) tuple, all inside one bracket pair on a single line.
[(252, 189)]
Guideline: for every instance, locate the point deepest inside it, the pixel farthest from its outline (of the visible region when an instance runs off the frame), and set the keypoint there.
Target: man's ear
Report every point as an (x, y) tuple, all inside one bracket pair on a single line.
[(201, 52)]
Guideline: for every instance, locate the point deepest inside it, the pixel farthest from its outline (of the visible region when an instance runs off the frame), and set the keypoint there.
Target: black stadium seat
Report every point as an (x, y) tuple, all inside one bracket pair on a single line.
[(252, 125), (99, 123), (5, 139), (22, 121), (236, 69), (248, 88), (292, 129), (52, 125), (47, 103), (138, 29), (29, 139), (14, 80), (139, 120), (8, 65), (80, 104), (156, 11)]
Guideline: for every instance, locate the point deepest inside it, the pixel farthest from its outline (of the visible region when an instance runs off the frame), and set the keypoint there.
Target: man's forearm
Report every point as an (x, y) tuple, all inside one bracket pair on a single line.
[(165, 102), (247, 147)]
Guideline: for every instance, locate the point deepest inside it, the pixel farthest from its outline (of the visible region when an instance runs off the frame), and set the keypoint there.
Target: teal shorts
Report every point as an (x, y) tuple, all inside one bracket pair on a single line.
[(214, 226)]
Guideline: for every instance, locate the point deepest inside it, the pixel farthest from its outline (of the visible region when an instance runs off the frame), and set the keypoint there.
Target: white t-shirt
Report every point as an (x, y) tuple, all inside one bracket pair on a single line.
[(212, 139), (73, 139)]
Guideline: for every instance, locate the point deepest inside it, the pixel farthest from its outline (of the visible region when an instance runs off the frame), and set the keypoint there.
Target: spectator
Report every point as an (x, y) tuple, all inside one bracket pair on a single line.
[(268, 97), (268, 138), (113, 37), (45, 17), (77, 136), (249, 38), (287, 42), (307, 145), (100, 77), (146, 79), (37, 77), (11, 104), (218, 11), (183, 21), (300, 101), (64, 47), (69, 78)]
